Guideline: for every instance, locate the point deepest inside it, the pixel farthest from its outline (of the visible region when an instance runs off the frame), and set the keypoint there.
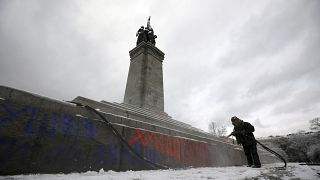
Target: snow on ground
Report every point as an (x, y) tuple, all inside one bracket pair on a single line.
[(293, 171)]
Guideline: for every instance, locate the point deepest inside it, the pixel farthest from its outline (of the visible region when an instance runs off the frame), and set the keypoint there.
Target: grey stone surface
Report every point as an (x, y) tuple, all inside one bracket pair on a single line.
[(42, 135), (145, 78), (143, 115)]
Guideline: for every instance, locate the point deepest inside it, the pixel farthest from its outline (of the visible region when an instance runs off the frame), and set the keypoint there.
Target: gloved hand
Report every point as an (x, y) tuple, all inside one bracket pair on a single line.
[(234, 133)]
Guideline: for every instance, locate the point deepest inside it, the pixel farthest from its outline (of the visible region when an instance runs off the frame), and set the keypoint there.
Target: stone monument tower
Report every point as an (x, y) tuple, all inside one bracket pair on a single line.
[(145, 79)]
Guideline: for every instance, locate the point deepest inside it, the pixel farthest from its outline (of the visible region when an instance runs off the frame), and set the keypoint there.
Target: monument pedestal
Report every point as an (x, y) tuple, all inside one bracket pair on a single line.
[(145, 79)]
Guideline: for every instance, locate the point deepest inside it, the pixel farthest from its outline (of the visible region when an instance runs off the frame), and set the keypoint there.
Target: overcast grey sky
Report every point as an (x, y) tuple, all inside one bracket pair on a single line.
[(259, 60)]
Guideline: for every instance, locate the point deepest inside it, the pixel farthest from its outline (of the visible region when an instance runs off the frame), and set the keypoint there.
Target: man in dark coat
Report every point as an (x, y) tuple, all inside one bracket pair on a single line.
[(243, 131)]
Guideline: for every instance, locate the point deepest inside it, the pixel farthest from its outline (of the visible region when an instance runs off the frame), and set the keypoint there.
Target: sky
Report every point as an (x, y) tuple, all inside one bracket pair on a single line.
[(258, 60)]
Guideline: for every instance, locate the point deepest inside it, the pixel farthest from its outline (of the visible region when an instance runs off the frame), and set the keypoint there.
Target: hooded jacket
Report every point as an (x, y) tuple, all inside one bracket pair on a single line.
[(244, 134)]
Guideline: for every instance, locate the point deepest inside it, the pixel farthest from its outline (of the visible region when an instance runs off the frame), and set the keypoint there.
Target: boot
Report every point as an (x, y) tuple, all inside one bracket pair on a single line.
[(256, 166)]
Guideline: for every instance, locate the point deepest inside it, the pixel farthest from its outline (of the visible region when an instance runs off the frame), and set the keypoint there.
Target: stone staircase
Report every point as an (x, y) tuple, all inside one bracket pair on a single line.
[(142, 114), (159, 116)]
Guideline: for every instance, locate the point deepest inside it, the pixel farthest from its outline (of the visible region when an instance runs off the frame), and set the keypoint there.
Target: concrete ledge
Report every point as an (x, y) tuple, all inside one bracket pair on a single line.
[(41, 135)]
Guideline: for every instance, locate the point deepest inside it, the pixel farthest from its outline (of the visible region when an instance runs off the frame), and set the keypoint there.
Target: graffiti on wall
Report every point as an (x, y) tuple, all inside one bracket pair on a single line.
[(36, 122), (188, 152), (22, 151), (48, 121)]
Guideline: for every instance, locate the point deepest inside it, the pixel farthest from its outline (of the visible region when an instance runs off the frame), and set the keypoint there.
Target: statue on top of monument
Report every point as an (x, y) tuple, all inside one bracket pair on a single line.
[(146, 34)]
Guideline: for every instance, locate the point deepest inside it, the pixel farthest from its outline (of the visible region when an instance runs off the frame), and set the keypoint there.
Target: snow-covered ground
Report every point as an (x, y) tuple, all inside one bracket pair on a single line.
[(293, 171)]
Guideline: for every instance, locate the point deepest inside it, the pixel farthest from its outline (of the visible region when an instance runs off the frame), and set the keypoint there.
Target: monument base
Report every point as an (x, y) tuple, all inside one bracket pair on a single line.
[(42, 135), (144, 87)]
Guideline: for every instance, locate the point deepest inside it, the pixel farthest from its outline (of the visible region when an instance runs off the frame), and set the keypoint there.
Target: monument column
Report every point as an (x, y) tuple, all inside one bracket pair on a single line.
[(145, 79)]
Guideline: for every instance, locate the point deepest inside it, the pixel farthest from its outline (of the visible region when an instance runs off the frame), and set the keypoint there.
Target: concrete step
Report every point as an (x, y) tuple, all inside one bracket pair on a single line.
[(162, 117), (121, 110), (158, 116), (137, 110)]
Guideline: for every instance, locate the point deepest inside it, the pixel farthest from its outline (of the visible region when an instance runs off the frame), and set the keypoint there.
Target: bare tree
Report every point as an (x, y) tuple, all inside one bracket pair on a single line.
[(217, 131), (222, 131), (315, 124), (212, 128)]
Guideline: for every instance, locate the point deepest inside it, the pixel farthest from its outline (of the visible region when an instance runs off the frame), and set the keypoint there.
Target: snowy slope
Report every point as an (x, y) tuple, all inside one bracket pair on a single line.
[(294, 171)]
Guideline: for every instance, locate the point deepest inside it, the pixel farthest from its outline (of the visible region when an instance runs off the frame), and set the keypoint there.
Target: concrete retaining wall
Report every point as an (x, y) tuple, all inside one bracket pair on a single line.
[(41, 135)]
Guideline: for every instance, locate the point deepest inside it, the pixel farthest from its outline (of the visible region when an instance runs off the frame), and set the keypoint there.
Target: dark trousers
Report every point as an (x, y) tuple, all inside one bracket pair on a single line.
[(252, 155)]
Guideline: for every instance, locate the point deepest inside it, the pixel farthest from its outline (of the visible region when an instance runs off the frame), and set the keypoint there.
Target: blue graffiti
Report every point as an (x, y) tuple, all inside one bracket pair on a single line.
[(70, 124), (95, 155), (147, 152), (105, 154), (88, 126), (10, 114), (44, 124), (150, 154), (137, 147), (13, 149)]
